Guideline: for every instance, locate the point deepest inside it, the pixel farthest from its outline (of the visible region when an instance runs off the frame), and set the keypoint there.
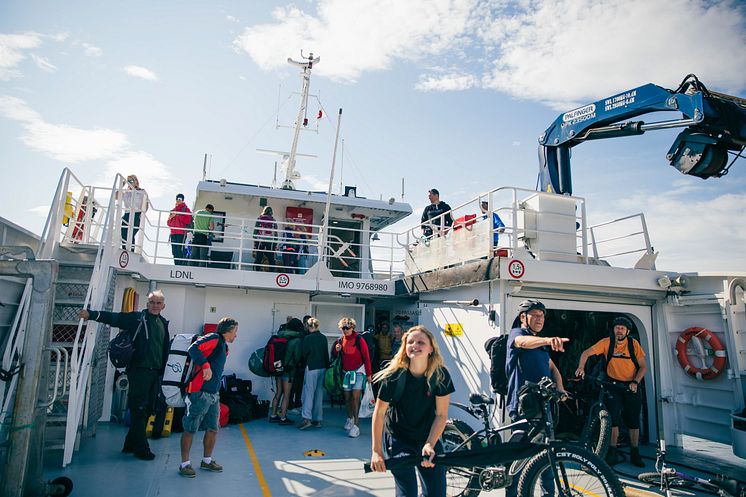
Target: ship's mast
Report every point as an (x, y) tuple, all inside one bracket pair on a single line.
[(301, 120)]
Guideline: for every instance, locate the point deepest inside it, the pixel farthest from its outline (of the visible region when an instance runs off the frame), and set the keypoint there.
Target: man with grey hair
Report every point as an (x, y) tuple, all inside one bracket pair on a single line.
[(149, 333)]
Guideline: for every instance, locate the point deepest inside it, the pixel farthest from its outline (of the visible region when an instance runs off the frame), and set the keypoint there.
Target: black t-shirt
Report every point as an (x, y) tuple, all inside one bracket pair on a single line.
[(411, 418)]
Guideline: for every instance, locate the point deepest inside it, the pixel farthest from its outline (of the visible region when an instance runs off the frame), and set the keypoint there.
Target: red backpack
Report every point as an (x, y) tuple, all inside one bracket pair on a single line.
[(274, 355), (266, 227)]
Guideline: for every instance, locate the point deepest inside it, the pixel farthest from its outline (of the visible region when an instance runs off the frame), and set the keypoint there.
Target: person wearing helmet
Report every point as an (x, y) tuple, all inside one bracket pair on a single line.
[(626, 366), (528, 360)]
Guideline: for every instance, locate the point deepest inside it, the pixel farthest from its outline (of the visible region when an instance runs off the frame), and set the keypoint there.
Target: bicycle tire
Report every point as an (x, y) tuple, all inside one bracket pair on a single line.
[(596, 435), (654, 478), (582, 470), (460, 482)]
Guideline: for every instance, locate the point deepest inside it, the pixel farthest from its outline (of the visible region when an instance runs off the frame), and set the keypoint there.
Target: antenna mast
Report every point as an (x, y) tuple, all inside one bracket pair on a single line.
[(307, 65)]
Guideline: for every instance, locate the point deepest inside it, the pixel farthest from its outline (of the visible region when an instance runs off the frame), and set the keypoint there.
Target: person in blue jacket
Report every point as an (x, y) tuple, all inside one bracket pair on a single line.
[(208, 354)]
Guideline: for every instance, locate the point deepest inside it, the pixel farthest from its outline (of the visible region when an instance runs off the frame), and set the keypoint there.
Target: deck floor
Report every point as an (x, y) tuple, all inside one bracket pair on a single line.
[(263, 459)]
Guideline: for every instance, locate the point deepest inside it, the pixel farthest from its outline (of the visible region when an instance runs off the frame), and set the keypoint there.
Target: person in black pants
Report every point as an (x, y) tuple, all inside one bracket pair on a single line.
[(413, 404), (151, 340)]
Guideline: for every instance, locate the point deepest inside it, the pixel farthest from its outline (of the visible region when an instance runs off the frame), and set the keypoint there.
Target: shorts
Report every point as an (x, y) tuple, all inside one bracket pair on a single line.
[(624, 406), (353, 380), (202, 412)]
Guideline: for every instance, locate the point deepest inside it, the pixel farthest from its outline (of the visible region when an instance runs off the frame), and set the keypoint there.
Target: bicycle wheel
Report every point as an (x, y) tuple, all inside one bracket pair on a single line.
[(597, 434), (654, 478), (581, 472), (460, 482)]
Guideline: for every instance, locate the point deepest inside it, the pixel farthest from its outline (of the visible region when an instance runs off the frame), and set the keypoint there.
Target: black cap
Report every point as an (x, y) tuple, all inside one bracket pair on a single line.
[(180, 196)]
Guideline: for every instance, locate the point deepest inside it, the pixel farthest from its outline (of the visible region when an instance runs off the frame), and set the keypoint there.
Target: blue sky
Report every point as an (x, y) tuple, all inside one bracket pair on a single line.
[(447, 94)]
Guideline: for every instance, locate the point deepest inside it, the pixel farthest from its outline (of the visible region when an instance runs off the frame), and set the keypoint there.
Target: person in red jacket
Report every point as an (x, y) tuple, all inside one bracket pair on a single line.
[(178, 220), (357, 368)]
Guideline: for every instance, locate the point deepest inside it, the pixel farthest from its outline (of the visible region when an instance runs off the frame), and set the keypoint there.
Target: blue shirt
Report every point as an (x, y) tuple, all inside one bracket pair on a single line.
[(522, 365)]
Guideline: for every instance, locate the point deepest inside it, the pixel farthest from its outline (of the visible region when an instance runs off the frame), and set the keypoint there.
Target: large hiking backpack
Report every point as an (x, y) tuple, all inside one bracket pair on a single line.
[(274, 355), (497, 348), (179, 370)]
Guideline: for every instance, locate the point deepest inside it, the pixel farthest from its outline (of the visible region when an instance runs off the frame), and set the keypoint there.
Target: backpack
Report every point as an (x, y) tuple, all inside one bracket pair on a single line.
[(333, 377), (370, 341), (122, 347), (265, 227), (256, 363), (497, 348), (180, 370), (630, 351), (274, 355)]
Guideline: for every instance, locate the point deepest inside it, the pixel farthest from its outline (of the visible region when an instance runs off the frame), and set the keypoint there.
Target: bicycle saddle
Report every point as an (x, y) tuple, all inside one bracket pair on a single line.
[(480, 399)]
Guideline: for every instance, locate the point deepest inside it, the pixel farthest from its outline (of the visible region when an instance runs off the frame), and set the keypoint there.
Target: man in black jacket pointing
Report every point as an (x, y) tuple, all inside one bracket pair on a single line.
[(151, 341)]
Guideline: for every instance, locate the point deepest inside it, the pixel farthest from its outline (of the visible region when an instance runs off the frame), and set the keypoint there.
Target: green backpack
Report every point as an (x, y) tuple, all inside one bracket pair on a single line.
[(333, 377), (256, 363)]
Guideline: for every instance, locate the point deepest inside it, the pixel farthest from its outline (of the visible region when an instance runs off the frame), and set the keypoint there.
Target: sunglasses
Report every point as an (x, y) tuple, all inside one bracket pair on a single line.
[(348, 328)]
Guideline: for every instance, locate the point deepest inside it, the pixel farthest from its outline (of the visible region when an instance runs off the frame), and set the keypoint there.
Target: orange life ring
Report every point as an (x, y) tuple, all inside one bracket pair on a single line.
[(720, 358)]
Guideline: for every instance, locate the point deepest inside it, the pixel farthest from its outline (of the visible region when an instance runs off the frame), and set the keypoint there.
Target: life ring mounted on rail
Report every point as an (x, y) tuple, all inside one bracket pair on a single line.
[(703, 373)]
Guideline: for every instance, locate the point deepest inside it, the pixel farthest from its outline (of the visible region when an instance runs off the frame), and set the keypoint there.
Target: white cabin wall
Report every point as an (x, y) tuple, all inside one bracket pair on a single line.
[(464, 355), (699, 408)]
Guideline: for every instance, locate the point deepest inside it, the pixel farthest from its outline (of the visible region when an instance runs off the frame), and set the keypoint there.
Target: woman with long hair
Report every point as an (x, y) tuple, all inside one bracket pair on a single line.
[(412, 406)]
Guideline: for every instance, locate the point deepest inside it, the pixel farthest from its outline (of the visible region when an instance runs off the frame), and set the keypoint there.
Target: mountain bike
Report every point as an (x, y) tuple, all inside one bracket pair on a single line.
[(574, 470), (596, 432), (666, 478)]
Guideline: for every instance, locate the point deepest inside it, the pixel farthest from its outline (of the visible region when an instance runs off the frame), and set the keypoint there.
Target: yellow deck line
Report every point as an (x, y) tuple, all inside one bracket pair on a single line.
[(255, 463)]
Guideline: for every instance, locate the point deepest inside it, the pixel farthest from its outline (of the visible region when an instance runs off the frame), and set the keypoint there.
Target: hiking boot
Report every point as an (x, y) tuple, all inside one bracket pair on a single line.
[(274, 419), (316, 424), (349, 424), (305, 424), (211, 466), (286, 421), (613, 457), (145, 455), (634, 457), (354, 432), (187, 471)]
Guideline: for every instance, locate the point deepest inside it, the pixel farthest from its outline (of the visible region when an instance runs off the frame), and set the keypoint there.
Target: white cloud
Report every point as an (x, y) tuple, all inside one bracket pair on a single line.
[(141, 72), (11, 52), (559, 52), (92, 51), (353, 37), (43, 63), (446, 82), (155, 177), (59, 141), (231, 18), (691, 226), (575, 50)]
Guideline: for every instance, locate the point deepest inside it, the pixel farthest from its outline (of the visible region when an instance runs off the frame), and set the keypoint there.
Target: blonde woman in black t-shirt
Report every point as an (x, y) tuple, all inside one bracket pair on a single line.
[(412, 405)]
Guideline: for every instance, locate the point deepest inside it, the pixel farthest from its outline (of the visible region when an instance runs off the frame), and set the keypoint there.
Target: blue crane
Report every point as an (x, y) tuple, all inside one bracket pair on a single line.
[(715, 125)]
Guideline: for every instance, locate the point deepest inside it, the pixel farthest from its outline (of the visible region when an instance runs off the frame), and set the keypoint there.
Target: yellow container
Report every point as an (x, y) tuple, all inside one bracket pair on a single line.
[(168, 422), (149, 428)]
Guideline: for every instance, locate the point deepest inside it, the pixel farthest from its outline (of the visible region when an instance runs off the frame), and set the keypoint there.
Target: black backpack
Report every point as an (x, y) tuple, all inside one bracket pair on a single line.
[(630, 351), (497, 348), (370, 341)]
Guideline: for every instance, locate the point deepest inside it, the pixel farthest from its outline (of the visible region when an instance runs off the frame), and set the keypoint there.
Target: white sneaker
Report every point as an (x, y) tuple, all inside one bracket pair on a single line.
[(354, 432), (349, 424)]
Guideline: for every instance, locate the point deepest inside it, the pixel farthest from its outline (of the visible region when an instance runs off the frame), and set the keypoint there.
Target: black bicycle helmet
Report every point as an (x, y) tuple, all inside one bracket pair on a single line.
[(529, 305), (624, 321)]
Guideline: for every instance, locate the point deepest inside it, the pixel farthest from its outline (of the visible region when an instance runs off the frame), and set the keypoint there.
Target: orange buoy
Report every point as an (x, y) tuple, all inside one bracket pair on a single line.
[(703, 373)]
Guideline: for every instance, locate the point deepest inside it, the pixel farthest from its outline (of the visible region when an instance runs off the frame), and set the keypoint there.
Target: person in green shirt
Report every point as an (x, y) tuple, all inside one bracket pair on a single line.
[(203, 227)]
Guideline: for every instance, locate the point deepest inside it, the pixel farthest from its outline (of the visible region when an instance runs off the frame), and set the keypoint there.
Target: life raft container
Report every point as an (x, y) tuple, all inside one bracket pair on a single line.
[(720, 358)]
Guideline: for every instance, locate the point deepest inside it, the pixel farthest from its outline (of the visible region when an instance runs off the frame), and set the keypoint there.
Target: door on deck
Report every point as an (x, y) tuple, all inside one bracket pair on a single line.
[(584, 323), (281, 312), (344, 237), (329, 314)]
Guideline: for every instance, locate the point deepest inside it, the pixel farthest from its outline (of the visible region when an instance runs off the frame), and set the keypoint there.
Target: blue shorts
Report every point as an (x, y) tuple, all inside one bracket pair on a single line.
[(202, 412), (353, 380)]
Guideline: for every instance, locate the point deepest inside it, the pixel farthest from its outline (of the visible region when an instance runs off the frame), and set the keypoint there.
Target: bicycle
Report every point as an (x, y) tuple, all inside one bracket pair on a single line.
[(596, 432), (666, 478), (574, 469)]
